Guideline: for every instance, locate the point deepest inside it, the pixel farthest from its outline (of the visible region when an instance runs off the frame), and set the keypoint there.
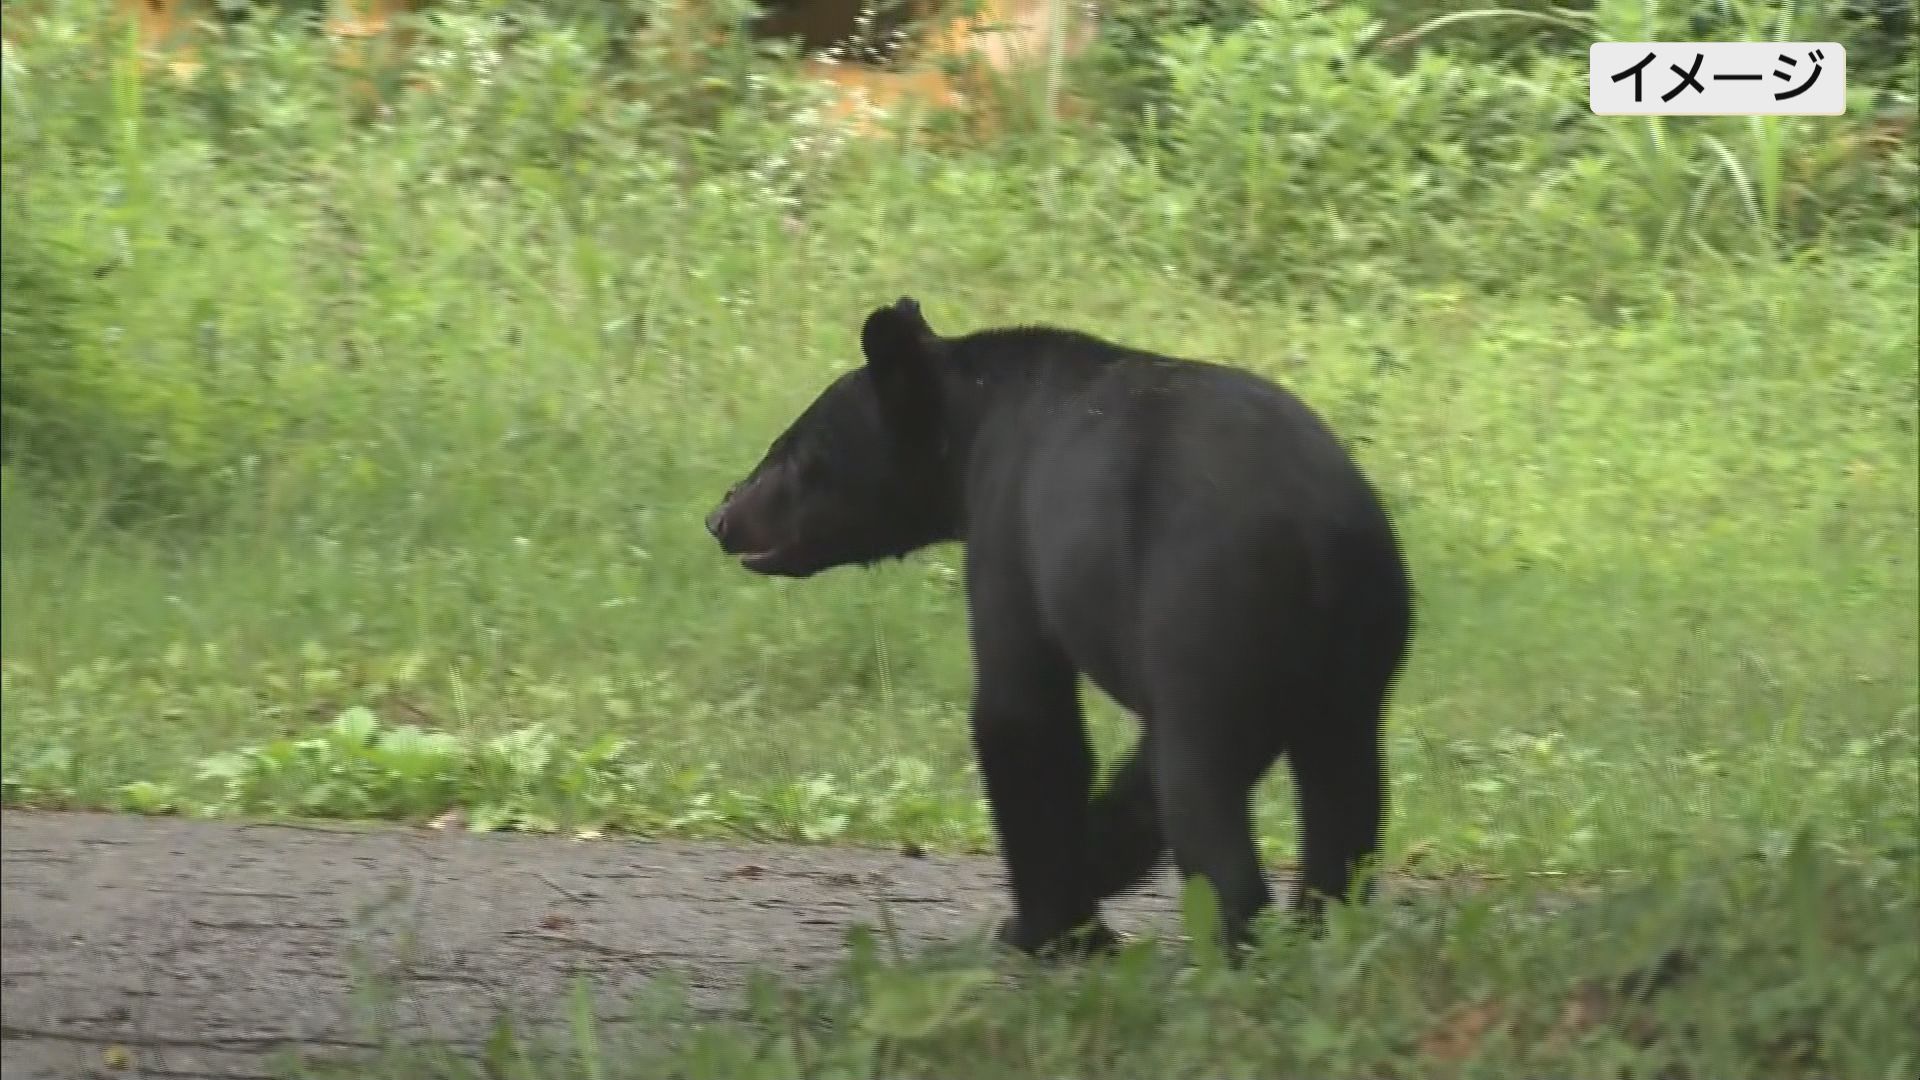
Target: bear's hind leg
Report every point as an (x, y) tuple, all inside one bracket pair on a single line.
[(1125, 842), (1339, 779), (1205, 793)]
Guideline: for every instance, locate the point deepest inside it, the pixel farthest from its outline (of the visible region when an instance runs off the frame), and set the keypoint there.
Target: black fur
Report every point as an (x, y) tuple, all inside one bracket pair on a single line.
[(1189, 536)]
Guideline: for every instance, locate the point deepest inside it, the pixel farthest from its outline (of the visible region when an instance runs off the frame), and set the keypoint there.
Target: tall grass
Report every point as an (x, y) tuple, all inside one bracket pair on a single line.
[(355, 464), (423, 413)]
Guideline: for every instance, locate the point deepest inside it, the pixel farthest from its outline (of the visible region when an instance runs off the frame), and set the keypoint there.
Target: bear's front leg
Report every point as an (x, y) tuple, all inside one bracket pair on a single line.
[(1031, 741)]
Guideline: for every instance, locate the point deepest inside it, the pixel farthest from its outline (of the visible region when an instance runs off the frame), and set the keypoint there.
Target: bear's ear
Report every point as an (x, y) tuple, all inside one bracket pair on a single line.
[(897, 337), (901, 352)]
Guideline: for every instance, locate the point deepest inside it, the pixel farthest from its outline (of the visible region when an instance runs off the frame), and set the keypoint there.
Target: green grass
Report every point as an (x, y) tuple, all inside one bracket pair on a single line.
[(1666, 563), (1797, 965), (369, 480)]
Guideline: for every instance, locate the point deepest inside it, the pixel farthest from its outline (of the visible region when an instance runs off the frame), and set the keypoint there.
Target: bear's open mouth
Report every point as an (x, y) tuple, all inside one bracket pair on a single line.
[(780, 562), (759, 560)]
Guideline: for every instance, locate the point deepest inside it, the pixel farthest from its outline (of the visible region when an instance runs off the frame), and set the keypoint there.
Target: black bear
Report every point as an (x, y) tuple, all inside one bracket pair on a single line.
[(1189, 536)]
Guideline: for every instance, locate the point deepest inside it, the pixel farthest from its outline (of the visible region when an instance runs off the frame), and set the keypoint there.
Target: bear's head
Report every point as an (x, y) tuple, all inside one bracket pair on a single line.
[(860, 476)]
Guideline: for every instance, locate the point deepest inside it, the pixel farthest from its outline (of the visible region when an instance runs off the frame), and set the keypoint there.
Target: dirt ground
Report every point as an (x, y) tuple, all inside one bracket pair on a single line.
[(174, 948)]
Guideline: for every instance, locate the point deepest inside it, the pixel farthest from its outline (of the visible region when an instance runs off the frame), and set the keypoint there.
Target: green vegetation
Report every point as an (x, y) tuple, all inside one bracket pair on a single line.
[(355, 466), (1792, 968)]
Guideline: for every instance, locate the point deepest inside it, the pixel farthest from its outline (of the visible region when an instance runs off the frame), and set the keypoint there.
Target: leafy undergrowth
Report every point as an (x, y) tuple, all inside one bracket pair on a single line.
[(1795, 966), (1520, 802), (526, 779)]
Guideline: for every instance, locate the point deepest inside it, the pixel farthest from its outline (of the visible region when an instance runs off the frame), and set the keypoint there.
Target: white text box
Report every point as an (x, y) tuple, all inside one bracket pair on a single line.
[(1717, 78)]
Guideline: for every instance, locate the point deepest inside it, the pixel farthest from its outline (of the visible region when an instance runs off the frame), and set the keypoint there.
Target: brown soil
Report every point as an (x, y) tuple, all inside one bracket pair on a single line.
[(159, 947)]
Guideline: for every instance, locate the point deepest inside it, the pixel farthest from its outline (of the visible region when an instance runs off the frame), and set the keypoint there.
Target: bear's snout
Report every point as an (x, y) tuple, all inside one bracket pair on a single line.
[(736, 524), (719, 521)]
